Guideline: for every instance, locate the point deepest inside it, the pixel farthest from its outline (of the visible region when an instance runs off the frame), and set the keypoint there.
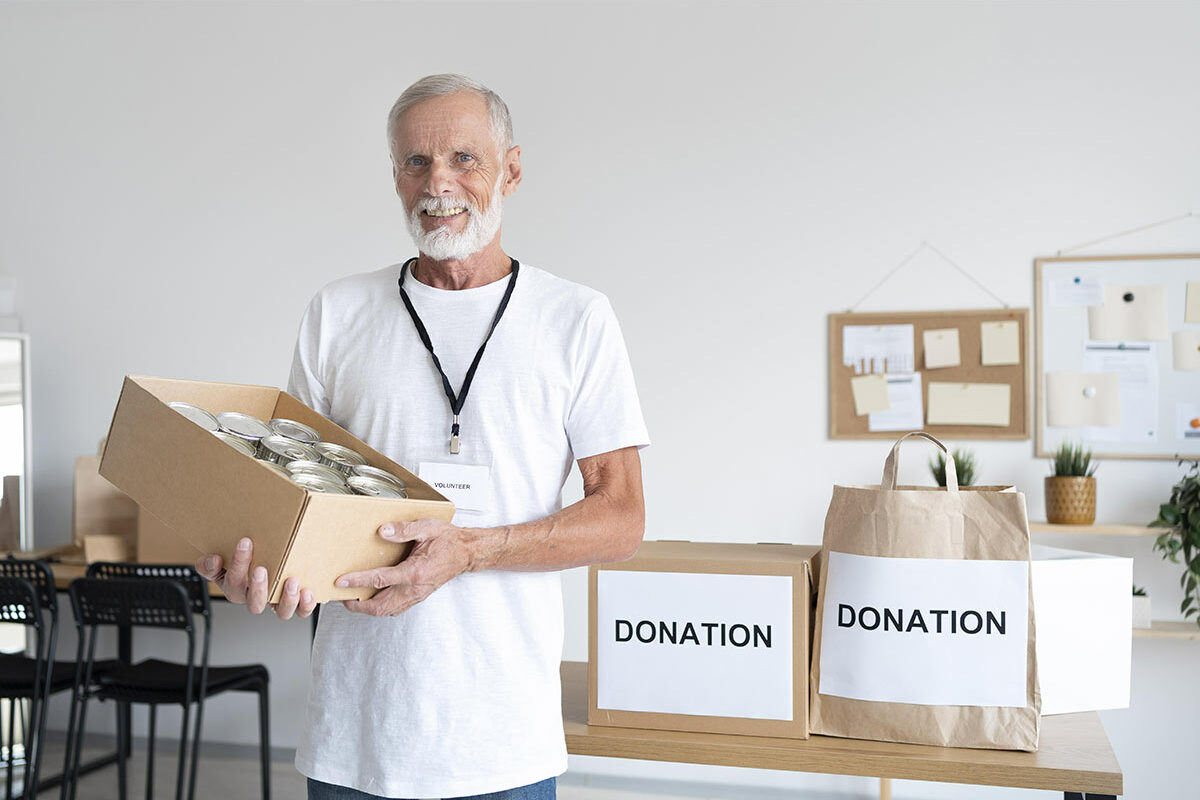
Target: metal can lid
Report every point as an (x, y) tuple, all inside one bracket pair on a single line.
[(315, 468), (237, 443), (196, 414), (342, 455), (288, 448), (379, 474), (315, 483), (243, 425), (296, 431), (271, 465), (364, 484)]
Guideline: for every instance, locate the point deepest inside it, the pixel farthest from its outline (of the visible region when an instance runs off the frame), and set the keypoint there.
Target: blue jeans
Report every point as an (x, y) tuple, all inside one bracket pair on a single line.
[(543, 790)]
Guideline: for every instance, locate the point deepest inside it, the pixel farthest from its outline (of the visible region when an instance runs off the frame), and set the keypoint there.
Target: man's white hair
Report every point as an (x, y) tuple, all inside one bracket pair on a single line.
[(447, 83)]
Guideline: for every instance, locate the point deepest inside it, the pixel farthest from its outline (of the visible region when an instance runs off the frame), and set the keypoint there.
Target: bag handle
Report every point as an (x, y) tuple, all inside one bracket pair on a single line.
[(891, 466)]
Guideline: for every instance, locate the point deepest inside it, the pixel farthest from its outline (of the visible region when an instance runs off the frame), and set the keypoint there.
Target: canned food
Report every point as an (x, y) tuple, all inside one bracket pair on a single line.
[(315, 483), (197, 415), (364, 484), (315, 468), (275, 468), (243, 426), (343, 459), (241, 445), (296, 431), (283, 450), (368, 471)]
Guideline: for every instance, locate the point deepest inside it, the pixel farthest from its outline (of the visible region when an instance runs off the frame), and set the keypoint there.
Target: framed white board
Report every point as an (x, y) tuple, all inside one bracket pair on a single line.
[(1117, 354)]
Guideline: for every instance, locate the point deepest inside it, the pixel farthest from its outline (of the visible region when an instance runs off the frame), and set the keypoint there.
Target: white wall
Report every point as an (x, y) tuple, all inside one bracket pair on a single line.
[(177, 179)]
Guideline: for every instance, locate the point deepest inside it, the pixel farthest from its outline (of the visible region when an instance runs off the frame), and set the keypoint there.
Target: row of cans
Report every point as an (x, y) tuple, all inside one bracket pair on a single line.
[(295, 451)]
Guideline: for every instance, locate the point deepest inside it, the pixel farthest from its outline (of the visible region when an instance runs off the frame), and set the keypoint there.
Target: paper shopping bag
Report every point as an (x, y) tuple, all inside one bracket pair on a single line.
[(924, 625)]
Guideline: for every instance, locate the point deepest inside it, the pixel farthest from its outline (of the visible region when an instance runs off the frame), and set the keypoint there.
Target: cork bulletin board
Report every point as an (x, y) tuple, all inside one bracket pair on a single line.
[(845, 421)]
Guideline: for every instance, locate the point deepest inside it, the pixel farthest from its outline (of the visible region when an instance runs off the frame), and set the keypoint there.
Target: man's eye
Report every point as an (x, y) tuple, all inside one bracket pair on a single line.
[(465, 157), (416, 161)]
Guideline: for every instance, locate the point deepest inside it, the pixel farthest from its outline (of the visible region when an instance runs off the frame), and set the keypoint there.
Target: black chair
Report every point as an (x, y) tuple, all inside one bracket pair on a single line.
[(154, 681), (28, 598)]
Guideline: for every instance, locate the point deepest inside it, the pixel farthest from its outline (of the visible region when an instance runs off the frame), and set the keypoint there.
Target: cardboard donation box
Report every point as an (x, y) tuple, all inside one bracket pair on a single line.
[(212, 495), (159, 543), (1084, 626), (694, 636), (105, 519)]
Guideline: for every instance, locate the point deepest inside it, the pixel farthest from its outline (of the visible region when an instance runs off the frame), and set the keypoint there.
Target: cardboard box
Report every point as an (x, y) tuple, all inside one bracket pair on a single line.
[(108, 547), (159, 543), (695, 636), (1084, 629), (100, 509), (213, 495)]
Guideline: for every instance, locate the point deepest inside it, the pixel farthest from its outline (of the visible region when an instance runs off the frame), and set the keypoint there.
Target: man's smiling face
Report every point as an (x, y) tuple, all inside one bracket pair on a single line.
[(449, 172)]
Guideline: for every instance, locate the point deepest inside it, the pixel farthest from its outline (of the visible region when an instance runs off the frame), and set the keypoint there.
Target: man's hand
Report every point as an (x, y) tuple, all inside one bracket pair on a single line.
[(249, 587), (440, 552)]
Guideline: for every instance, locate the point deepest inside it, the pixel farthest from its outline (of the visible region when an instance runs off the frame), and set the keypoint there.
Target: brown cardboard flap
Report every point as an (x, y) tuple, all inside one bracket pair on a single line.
[(195, 483), (340, 534)]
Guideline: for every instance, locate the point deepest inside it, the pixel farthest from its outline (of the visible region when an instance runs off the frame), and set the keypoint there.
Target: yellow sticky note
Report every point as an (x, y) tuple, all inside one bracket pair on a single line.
[(1129, 313), (1000, 343), (941, 348), (870, 393), (1192, 313), (969, 404), (1082, 398), (1186, 350)]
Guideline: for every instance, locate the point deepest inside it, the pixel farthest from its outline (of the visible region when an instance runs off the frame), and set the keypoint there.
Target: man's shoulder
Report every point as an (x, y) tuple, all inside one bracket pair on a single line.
[(559, 291), (351, 293)]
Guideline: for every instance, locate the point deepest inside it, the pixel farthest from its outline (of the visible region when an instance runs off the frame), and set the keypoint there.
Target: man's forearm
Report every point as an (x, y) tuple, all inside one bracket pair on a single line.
[(606, 525)]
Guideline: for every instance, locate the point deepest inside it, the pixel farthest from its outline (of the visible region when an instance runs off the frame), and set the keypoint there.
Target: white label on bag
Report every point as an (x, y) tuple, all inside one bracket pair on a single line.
[(928, 631), (705, 644)]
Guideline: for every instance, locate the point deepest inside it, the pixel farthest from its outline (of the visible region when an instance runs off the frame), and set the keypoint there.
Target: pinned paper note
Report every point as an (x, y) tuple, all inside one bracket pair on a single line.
[(1129, 312), (906, 407), (1136, 367), (941, 348), (1187, 422), (1000, 343), (1186, 350), (969, 404), (1077, 291), (878, 348), (1082, 398), (1192, 312), (870, 393)]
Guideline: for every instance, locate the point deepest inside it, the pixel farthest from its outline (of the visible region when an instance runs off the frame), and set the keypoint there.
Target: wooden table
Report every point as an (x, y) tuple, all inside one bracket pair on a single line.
[(1074, 756), (64, 573)]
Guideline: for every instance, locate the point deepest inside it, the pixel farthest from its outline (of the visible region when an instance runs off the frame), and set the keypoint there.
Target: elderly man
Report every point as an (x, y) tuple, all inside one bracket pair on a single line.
[(487, 377)]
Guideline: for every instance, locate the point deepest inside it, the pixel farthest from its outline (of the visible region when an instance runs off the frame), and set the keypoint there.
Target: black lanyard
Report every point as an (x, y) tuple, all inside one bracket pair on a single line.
[(456, 401)]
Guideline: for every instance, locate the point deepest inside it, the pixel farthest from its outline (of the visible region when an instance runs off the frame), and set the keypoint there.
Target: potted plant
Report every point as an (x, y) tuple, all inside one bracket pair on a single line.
[(1070, 487), (1141, 608), (1181, 516), (964, 466)]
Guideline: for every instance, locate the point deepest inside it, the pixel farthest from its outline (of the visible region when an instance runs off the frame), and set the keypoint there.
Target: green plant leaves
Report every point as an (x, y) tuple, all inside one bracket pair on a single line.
[(1181, 518)]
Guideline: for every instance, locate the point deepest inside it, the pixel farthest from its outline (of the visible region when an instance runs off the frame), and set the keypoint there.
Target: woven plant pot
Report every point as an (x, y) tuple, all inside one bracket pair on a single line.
[(1070, 500)]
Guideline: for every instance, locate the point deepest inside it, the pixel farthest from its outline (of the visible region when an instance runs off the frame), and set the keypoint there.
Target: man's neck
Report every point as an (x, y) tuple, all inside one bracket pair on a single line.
[(487, 266)]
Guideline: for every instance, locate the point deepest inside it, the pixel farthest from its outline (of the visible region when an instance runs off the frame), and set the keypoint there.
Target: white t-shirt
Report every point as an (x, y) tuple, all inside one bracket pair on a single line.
[(460, 694)]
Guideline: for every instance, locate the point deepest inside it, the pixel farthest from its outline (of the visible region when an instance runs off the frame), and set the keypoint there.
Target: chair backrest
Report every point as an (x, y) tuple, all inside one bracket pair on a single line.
[(38, 573), (138, 602), (19, 602), (193, 582)]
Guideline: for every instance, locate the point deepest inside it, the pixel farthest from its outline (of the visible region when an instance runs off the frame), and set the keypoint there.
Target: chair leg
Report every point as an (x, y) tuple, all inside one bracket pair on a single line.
[(150, 754), (196, 749), (264, 736), (37, 723), (122, 754), (78, 750), (183, 741), (8, 778)]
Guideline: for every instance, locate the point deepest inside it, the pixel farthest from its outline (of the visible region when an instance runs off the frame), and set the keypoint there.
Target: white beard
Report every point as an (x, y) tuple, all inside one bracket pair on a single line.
[(442, 244)]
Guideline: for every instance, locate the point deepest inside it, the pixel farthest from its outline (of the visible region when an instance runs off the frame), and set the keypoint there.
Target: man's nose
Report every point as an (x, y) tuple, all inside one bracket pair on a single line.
[(441, 179)]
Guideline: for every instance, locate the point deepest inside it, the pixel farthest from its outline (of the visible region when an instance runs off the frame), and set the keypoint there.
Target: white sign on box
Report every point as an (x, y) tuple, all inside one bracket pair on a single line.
[(695, 643), (927, 631)]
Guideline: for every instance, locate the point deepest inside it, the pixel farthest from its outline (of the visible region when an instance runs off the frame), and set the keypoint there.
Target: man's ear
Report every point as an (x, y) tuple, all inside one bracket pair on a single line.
[(512, 169)]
